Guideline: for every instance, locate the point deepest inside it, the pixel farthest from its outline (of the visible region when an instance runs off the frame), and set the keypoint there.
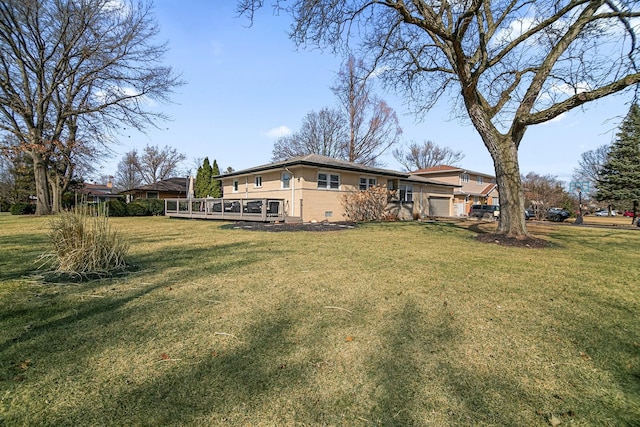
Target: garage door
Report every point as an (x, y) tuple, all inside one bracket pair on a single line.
[(439, 206)]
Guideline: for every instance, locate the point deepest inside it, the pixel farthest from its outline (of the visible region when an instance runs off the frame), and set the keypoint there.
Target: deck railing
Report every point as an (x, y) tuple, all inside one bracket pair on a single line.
[(264, 210)]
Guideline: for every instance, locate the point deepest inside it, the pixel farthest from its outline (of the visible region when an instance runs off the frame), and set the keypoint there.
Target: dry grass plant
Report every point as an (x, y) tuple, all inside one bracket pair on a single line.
[(390, 324), (84, 245)]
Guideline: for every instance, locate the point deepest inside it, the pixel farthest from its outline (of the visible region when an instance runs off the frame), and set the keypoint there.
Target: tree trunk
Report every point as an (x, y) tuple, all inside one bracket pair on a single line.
[(43, 202), (512, 220), (504, 152)]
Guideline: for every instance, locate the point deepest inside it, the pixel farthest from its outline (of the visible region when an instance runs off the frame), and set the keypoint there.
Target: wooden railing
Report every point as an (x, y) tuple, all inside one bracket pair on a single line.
[(264, 210)]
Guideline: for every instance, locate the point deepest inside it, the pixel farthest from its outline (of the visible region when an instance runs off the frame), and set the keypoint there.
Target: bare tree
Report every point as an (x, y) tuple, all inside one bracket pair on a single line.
[(127, 175), (543, 192), (589, 166), (322, 132), (66, 64), (511, 64), (426, 155), (372, 125), (155, 164)]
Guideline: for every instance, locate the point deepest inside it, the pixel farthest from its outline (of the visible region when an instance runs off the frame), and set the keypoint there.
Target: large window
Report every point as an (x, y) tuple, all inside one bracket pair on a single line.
[(464, 177), (406, 193), (328, 181), (367, 183), (286, 180)]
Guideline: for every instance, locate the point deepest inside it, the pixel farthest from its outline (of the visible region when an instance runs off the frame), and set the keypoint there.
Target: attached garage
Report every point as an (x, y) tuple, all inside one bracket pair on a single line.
[(439, 206)]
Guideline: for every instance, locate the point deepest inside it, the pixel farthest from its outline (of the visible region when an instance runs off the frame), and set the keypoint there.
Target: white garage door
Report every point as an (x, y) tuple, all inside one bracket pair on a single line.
[(439, 206)]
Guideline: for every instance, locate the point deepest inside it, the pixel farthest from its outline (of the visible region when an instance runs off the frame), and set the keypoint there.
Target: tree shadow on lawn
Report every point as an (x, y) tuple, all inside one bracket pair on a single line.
[(18, 262), (420, 381), (225, 387), (54, 318)]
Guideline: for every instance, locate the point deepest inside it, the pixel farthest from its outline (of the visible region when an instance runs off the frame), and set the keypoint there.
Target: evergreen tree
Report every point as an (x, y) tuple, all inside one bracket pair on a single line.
[(619, 179), (203, 179), (216, 184)]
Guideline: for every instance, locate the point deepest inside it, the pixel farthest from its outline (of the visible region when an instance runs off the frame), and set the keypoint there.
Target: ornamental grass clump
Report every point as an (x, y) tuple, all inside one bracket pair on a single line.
[(84, 244)]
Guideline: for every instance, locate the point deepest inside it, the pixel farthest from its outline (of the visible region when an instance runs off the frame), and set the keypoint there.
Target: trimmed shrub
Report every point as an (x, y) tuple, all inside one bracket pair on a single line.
[(116, 208), (84, 244), (154, 206), (22, 209), (137, 209)]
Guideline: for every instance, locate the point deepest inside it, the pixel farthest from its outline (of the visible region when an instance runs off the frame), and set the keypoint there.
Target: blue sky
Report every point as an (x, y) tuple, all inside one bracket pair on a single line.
[(247, 84)]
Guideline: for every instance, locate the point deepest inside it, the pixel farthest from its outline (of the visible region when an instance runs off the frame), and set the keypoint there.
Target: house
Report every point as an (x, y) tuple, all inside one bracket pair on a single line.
[(97, 193), (474, 188), (312, 188), (165, 189)]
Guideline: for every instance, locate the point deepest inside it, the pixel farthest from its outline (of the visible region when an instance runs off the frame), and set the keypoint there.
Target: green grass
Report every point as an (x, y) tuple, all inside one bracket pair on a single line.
[(388, 324)]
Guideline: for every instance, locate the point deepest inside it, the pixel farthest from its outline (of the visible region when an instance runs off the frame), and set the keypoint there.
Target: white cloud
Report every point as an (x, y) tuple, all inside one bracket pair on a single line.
[(278, 132)]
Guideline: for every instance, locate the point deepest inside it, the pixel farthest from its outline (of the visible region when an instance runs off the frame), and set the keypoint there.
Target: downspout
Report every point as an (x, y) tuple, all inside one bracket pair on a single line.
[(293, 192)]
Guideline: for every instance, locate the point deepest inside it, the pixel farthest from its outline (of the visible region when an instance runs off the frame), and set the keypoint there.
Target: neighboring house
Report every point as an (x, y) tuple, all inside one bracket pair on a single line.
[(475, 188), (165, 189), (313, 186), (97, 193)]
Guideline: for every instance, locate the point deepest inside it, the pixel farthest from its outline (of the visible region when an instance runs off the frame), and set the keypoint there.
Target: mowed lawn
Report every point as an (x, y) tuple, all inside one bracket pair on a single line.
[(393, 324)]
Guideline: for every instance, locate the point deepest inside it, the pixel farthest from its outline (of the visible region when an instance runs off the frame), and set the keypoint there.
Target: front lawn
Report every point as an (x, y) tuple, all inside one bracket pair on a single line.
[(386, 324)]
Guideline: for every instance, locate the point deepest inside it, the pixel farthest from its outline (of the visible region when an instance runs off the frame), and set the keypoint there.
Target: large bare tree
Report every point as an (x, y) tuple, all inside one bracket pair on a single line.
[(589, 166), (372, 124), (428, 154), (66, 64), (510, 64), (323, 132)]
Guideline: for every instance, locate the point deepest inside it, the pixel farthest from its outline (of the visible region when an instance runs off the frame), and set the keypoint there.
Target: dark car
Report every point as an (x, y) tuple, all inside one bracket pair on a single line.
[(557, 214), (529, 214), (484, 211)]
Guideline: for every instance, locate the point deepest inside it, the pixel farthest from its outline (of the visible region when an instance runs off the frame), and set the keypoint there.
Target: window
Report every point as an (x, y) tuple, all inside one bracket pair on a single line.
[(152, 194), (286, 180), (328, 181), (235, 185), (464, 177), (406, 193), (479, 180), (258, 181), (366, 183)]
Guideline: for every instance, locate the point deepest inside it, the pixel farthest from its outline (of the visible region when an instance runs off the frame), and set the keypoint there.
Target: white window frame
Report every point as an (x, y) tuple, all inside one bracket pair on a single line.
[(329, 181), (405, 192), (367, 182), (285, 184), (257, 182), (464, 177), (480, 180), (236, 185)]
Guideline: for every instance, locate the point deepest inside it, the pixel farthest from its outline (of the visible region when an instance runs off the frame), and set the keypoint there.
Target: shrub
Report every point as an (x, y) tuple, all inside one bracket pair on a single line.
[(154, 206), (116, 208), (367, 205), (84, 245), (137, 209), (22, 209)]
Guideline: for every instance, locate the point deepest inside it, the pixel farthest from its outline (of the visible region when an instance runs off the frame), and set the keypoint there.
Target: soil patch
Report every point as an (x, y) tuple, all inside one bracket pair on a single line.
[(306, 226), (500, 239)]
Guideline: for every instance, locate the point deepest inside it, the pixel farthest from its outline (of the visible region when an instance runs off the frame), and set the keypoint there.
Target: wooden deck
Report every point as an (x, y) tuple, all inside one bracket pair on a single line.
[(263, 210)]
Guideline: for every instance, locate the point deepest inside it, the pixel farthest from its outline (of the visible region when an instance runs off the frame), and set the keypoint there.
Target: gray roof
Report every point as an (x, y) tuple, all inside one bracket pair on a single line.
[(178, 185), (331, 163)]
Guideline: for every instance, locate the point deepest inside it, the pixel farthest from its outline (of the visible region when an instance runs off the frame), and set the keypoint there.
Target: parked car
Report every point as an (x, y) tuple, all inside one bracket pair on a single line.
[(627, 213), (557, 214), (529, 214), (605, 212), (484, 211)]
